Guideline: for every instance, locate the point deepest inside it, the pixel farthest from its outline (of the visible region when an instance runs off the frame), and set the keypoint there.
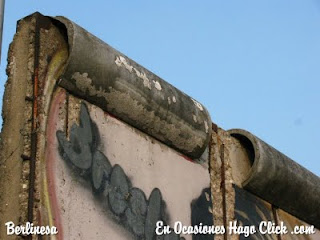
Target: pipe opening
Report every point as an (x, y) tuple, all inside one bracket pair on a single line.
[(247, 145)]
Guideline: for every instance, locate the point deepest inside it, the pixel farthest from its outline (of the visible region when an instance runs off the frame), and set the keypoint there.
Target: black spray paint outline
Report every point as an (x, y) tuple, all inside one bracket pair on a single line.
[(127, 203)]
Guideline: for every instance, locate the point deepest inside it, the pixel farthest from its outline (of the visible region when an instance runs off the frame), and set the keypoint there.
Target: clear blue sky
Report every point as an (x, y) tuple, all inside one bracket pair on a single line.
[(254, 64)]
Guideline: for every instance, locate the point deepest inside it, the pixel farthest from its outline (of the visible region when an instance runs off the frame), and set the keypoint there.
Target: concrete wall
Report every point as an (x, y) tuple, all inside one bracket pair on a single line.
[(69, 163)]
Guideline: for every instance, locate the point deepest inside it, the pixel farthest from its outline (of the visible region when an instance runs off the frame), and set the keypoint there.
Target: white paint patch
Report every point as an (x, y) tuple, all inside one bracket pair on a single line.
[(143, 76), (174, 99), (207, 196), (118, 62), (157, 85), (169, 100), (198, 105), (206, 126), (122, 62), (194, 118)]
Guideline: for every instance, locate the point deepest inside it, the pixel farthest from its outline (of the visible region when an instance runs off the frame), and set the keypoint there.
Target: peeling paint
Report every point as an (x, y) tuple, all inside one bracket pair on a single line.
[(194, 118), (134, 81), (121, 61), (174, 99), (197, 104), (118, 62), (123, 103), (157, 85), (206, 126), (146, 81)]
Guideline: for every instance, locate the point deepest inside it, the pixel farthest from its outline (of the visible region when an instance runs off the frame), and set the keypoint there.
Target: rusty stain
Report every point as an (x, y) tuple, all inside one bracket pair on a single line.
[(122, 103)]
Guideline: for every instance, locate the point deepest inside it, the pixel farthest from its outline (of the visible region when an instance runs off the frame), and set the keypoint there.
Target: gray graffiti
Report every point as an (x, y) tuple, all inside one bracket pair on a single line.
[(128, 204), (200, 213), (251, 211)]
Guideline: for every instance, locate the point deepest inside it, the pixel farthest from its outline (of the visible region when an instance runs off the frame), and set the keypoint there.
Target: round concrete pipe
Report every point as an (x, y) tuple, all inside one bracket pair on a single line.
[(279, 180), (107, 78)]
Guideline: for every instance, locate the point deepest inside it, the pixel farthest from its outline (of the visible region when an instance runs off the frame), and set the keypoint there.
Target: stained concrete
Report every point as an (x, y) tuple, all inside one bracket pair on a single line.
[(127, 176), (15, 138)]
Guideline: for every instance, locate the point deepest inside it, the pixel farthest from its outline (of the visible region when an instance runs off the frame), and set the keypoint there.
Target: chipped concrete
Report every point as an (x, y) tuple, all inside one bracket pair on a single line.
[(197, 104), (174, 99), (228, 180), (119, 74), (227, 170), (121, 61), (215, 181), (194, 118), (15, 115), (122, 103), (157, 85), (18, 100)]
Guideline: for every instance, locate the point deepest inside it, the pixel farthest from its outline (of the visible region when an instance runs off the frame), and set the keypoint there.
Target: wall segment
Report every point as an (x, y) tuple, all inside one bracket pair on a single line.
[(105, 148), (135, 95)]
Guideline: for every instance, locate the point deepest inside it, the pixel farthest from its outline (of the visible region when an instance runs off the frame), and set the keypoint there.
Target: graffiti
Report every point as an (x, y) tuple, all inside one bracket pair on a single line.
[(128, 204), (201, 212), (248, 205)]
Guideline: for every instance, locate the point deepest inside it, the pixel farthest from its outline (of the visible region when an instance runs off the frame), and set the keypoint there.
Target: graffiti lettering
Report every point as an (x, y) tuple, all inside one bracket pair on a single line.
[(128, 204)]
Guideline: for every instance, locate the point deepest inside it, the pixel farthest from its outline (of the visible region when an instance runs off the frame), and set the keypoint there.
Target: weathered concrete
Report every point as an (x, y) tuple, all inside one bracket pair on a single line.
[(142, 180), (15, 135), (120, 86), (216, 183), (27, 99), (279, 180), (97, 176)]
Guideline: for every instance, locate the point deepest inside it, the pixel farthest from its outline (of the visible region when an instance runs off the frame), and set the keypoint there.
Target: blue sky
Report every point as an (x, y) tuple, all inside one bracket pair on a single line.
[(253, 64)]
